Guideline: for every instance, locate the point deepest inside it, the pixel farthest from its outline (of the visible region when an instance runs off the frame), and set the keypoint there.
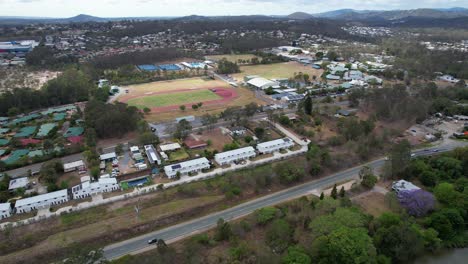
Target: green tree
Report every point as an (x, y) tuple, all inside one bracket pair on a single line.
[(146, 110), (342, 192), (400, 158), (278, 235), (368, 178), (334, 192), (119, 149), (446, 194), (182, 107), (265, 215), (400, 242), (308, 105), (296, 255), (183, 129), (223, 230), (345, 245), (322, 196)]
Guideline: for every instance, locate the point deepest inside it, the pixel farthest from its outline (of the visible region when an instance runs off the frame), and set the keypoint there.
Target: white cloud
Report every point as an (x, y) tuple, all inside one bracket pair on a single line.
[(121, 8)]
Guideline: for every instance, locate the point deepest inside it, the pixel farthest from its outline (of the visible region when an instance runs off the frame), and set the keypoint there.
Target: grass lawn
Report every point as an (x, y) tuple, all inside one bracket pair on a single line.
[(277, 70), (232, 57), (160, 100), (125, 218), (178, 155)]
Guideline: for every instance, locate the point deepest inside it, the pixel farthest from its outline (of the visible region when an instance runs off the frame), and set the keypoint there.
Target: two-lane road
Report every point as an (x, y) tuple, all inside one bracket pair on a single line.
[(174, 233)]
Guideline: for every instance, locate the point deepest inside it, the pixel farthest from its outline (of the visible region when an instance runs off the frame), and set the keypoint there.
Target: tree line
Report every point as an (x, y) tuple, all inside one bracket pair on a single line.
[(73, 85)]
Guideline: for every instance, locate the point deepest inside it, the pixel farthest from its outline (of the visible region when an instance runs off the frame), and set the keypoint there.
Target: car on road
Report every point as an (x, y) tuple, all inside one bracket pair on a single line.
[(152, 241), (413, 155), (435, 150)]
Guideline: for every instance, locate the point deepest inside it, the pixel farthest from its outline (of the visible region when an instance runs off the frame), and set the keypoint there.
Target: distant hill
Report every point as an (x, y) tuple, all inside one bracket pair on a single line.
[(351, 14), (300, 15), (85, 18)]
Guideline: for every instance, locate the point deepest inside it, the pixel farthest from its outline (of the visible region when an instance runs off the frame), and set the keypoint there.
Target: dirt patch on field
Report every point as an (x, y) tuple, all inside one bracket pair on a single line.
[(372, 202), (217, 138)]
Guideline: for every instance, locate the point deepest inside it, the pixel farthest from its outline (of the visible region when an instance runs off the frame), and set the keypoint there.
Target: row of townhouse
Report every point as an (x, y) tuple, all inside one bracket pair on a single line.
[(41, 201), (228, 157), (187, 167), (88, 188), (275, 145)]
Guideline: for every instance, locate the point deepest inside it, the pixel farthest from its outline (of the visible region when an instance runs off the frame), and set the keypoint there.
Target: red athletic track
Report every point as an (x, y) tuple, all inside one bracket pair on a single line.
[(227, 95)]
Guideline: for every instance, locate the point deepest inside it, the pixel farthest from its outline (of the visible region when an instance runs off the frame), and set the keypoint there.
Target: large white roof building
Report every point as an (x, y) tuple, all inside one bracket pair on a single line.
[(262, 83), (41, 201), (275, 145), (228, 157), (187, 167)]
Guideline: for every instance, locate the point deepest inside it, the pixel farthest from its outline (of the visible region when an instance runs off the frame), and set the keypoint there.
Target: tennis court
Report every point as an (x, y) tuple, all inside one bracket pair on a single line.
[(168, 67), (147, 67)]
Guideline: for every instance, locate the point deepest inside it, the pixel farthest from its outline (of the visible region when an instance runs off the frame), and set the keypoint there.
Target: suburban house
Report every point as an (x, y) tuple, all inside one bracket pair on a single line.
[(152, 155), (228, 157), (41, 201), (18, 183), (88, 188), (187, 167), (275, 145), (135, 150), (5, 210), (73, 166), (170, 147), (448, 78), (108, 157), (403, 185), (333, 77), (238, 131), (353, 75)]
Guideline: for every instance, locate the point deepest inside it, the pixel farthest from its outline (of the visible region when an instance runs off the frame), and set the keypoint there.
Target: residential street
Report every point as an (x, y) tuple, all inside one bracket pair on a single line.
[(174, 233), (23, 171)]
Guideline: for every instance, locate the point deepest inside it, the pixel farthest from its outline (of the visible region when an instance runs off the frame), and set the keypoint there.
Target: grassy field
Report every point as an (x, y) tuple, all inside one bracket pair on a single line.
[(232, 57), (245, 96), (180, 98), (192, 83), (277, 70)]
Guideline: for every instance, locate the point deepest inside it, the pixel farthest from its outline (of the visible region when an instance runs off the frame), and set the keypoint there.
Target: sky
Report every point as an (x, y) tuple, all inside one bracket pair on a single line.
[(139, 8)]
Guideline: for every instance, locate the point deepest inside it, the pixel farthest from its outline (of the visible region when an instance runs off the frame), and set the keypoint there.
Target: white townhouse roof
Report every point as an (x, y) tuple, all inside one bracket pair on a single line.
[(170, 147), (41, 198), (71, 165), (281, 141), (107, 156), (5, 207), (228, 154), (186, 164)]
